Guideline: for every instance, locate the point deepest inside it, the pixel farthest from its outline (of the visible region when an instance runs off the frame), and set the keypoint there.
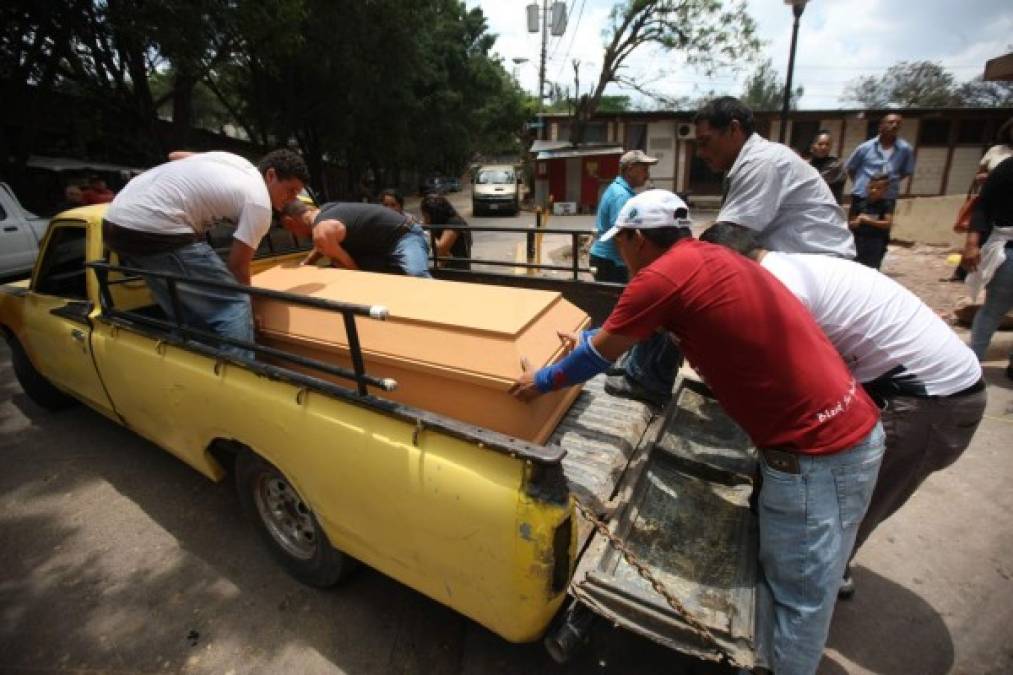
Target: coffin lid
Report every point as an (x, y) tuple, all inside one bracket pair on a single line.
[(461, 329)]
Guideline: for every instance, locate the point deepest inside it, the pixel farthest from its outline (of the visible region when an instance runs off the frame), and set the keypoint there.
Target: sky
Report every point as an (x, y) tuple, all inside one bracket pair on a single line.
[(838, 40)]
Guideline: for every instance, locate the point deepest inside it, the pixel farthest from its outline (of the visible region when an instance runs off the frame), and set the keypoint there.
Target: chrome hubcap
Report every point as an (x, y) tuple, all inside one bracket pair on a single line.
[(287, 518)]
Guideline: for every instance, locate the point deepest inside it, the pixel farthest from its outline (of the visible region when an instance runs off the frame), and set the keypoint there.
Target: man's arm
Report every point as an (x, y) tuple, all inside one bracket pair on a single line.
[(240, 256), (180, 154), (851, 166), (909, 163), (327, 238), (594, 351)]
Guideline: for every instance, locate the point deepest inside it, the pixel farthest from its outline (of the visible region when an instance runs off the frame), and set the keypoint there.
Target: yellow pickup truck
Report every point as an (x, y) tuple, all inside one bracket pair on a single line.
[(330, 474)]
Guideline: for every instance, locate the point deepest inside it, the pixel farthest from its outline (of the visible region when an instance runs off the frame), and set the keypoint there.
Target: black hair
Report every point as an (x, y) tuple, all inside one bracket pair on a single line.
[(1005, 133), (720, 112), (821, 132), (393, 194), (286, 165), (662, 237), (439, 209), (736, 237)]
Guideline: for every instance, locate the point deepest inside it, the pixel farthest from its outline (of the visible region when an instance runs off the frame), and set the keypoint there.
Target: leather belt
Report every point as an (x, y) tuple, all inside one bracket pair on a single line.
[(786, 462)]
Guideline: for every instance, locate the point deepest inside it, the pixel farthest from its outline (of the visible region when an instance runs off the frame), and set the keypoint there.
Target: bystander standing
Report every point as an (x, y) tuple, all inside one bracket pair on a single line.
[(830, 167)]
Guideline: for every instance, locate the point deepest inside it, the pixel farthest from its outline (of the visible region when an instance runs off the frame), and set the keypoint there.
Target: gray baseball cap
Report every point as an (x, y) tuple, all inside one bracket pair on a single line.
[(636, 157)]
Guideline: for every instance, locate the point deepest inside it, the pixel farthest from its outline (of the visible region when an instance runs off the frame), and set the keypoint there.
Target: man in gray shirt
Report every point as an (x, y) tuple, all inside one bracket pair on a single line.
[(768, 188)]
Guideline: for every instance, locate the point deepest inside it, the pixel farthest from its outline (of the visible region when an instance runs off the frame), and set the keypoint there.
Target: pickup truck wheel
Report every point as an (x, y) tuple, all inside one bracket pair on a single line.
[(36, 387), (287, 525)]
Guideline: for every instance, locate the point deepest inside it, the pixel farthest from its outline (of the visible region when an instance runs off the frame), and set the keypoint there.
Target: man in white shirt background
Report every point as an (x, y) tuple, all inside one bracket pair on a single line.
[(158, 222)]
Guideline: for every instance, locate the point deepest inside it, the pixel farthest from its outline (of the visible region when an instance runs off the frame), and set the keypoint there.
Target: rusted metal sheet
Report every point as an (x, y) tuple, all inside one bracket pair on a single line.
[(685, 514)]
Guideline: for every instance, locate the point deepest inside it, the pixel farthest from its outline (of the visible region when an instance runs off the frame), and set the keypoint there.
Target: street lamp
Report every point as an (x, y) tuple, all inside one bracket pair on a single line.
[(518, 60), (797, 7)]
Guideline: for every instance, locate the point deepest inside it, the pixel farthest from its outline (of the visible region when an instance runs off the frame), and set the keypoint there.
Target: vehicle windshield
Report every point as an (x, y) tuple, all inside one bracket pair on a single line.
[(495, 176)]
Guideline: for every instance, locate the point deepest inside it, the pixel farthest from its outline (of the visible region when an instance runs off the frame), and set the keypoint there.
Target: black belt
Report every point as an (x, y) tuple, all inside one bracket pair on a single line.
[(973, 389), (123, 240), (782, 460)]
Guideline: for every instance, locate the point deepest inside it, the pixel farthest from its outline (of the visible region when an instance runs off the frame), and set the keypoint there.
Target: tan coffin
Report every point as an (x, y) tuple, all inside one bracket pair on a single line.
[(454, 348)]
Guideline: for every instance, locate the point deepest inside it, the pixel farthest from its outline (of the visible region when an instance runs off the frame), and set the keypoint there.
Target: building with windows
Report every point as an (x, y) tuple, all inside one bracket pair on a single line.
[(948, 145)]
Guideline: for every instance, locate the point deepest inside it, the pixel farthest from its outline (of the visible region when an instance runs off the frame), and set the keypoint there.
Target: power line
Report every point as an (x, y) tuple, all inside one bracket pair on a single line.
[(576, 27)]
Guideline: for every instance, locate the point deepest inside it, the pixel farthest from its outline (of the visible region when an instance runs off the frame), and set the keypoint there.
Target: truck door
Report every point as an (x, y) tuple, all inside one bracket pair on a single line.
[(57, 325), (17, 240)]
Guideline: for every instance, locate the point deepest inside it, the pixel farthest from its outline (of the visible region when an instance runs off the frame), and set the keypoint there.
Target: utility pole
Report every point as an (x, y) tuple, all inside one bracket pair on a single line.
[(576, 83), (541, 68)]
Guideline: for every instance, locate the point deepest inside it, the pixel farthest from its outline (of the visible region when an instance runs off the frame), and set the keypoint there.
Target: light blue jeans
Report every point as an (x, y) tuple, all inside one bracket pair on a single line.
[(411, 253), (224, 313), (998, 301), (808, 522)]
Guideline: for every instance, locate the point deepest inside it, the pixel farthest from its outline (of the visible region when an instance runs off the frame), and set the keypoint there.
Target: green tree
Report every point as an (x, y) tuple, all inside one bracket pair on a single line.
[(907, 84), (710, 34), (979, 93), (763, 90)]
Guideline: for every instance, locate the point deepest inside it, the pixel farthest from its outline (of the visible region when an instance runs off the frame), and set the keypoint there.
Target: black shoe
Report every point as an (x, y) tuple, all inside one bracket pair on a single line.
[(624, 387), (619, 367), (847, 589)]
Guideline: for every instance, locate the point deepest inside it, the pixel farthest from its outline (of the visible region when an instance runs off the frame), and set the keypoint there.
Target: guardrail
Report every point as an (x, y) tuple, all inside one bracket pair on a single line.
[(178, 322), (574, 268)]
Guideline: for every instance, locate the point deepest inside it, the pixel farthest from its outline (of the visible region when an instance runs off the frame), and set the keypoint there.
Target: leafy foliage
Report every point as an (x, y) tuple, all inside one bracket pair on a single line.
[(381, 86), (764, 91), (710, 34)]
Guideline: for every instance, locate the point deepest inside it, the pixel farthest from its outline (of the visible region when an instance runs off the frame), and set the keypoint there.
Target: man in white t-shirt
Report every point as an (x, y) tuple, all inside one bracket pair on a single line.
[(927, 381), (158, 222)]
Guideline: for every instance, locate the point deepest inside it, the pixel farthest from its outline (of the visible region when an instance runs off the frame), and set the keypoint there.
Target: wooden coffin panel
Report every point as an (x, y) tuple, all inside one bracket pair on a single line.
[(453, 347)]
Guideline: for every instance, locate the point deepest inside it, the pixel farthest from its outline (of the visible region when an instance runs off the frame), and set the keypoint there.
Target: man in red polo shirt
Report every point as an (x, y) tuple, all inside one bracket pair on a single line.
[(817, 431)]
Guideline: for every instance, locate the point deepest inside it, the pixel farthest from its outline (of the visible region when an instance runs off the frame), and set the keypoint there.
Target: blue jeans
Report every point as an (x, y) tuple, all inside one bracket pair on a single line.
[(808, 522), (653, 363), (411, 253), (998, 301), (224, 313)]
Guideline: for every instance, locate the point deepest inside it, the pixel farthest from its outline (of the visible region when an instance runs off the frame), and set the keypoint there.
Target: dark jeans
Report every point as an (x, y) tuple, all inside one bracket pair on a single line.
[(923, 435), (870, 248)]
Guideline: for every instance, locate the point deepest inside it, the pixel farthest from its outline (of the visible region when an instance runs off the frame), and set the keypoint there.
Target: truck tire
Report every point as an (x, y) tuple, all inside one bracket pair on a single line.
[(287, 525), (35, 386)]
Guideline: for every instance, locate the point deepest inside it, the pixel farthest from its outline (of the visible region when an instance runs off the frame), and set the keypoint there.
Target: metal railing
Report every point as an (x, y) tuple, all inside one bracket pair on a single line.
[(574, 267), (178, 322)]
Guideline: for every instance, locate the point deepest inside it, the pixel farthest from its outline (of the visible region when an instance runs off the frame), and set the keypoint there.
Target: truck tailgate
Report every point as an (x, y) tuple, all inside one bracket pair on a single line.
[(684, 513)]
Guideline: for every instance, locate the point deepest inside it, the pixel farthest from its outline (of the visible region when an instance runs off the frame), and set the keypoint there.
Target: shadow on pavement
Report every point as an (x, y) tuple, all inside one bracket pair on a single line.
[(888, 629)]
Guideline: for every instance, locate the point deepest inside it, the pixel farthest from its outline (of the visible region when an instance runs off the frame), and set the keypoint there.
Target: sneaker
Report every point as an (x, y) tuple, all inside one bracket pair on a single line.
[(847, 589), (623, 387)]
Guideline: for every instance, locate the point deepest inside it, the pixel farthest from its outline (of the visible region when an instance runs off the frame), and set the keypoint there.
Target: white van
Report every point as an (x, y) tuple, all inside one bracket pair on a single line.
[(495, 189)]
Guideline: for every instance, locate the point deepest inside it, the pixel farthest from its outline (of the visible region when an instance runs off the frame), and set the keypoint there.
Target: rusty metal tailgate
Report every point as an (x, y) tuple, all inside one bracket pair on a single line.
[(684, 512)]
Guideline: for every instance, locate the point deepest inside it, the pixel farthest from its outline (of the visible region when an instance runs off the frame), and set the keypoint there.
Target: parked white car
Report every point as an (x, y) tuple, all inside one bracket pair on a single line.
[(20, 234)]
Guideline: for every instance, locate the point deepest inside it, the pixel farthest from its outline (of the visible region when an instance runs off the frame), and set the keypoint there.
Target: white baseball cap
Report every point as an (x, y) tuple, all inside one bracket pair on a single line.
[(636, 157), (651, 209)]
